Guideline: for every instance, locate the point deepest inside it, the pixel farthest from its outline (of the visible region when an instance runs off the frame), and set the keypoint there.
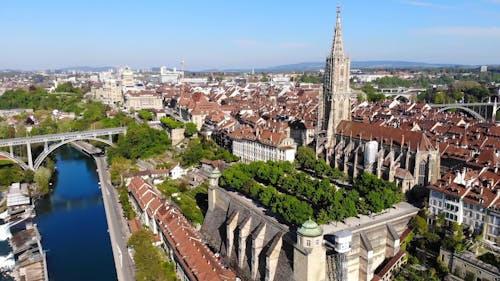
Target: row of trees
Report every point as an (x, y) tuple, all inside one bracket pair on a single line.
[(277, 184), (290, 208), (306, 160)]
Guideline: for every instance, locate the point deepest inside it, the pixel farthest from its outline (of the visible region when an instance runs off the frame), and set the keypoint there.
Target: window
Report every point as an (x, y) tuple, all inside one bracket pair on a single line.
[(422, 173), (308, 243)]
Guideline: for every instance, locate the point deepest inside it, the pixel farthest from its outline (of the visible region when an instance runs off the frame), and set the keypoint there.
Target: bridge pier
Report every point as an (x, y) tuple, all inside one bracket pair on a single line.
[(11, 149), (110, 138), (45, 146), (30, 157)]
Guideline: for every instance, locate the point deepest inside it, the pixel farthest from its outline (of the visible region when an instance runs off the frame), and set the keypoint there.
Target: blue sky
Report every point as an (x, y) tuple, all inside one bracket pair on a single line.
[(232, 33)]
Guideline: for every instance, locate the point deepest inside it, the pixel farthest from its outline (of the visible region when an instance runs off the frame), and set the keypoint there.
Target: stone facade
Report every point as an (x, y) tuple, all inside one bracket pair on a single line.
[(406, 157), (334, 103), (143, 100), (466, 266), (259, 247), (109, 94)]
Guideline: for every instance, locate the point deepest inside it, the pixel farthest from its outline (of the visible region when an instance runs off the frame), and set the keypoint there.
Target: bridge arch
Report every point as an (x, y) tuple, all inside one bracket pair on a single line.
[(39, 160), (472, 112), (14, 159)]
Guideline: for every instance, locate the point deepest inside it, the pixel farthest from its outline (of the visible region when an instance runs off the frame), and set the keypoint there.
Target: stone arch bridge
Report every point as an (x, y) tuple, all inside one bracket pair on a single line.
[(52, 142)]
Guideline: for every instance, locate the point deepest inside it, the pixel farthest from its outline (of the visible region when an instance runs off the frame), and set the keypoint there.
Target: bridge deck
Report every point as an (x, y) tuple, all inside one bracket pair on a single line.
[(62, 136)]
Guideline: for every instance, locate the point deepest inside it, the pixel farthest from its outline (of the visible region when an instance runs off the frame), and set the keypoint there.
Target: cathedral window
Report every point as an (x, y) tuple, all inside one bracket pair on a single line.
[(422, 173)]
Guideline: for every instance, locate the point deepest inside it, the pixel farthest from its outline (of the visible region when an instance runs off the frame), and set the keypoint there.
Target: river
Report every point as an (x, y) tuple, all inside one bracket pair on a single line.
[(72, 222)]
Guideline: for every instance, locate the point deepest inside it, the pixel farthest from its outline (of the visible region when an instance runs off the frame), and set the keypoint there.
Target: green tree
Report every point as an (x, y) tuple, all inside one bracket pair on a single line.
[(42, 177), (145, 114), (420, 224), (119, 166), (140, 141), (171, 123), (149, 264), (190, 129)]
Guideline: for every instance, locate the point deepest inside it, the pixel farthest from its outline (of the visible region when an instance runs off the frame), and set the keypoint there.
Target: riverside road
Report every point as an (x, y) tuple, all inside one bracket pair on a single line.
[(117, 226)]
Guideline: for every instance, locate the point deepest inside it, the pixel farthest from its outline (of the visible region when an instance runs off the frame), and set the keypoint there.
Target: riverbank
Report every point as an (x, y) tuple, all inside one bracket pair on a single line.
[(117, 226)]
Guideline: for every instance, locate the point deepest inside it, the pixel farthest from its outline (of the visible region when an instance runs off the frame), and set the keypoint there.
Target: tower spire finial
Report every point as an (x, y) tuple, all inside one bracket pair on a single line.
[(338, 45)]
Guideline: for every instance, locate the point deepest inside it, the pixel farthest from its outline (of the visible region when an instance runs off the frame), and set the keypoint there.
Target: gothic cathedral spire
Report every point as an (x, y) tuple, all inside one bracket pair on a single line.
[(334, 103)]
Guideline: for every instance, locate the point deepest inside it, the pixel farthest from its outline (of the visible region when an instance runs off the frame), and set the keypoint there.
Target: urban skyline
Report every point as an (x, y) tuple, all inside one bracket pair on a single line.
[(225, 34)]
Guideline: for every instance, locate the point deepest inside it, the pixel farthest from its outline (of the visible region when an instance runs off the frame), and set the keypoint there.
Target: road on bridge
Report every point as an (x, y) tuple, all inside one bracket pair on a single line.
[(117, 226)]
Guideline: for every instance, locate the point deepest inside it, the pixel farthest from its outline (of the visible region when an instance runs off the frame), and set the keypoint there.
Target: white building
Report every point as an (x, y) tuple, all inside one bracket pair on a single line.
[(470, 198), (143, 100), (127, 77), (167, 76), (18, 195), (110, 93), (262, 145)]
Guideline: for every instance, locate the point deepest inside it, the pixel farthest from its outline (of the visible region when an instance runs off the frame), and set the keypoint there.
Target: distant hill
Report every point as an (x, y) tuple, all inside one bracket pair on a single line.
[(316, 66), (85, 68), (312, 66)]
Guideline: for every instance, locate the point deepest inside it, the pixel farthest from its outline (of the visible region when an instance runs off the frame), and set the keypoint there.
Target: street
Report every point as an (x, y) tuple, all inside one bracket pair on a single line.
[(117, 226)]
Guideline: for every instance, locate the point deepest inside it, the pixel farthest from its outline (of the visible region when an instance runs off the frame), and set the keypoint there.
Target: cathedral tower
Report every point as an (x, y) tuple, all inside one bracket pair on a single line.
[(334, 104)]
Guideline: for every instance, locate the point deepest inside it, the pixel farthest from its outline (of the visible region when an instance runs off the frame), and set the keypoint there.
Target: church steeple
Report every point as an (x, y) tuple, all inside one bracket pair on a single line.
[(334, 104), (338, 44)]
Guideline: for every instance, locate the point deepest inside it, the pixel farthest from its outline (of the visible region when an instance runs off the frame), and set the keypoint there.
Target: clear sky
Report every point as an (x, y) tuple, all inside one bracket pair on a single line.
[(205, 34)]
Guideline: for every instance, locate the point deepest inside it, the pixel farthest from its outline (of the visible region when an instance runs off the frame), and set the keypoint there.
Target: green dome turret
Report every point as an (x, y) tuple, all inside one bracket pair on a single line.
[(215, 173), (310, 229)]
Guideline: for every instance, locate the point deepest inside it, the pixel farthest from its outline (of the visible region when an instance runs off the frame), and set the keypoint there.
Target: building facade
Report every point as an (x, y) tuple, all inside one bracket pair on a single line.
[(470, 198), (110, 93), (143, 100), (262, 145), (334, 102), (258, 247), (405, 157)]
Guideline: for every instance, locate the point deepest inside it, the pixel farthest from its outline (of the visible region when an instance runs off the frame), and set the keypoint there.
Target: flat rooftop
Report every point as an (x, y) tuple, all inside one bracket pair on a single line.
[(355, 224)]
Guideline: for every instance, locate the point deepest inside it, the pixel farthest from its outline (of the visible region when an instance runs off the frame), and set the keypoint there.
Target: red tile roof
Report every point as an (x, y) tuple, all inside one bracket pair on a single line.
[(198, 261)]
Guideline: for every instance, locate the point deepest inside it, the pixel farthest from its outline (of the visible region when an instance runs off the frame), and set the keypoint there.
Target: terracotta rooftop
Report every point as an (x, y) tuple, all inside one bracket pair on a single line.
[(198, 261)]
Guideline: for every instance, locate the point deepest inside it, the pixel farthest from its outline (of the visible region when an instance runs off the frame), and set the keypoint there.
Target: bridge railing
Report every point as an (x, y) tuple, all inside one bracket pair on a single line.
[(62, 136)]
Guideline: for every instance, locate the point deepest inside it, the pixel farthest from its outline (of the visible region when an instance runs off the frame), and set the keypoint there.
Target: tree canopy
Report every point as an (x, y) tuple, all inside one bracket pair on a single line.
[(171, 123), (149, 264), (141, 141), (145, 114), (199, 149), (190, 129), (40, 99), (271, 183)]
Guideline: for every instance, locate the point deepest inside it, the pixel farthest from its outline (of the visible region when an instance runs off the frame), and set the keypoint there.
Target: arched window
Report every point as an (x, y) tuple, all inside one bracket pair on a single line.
[(422, 173)]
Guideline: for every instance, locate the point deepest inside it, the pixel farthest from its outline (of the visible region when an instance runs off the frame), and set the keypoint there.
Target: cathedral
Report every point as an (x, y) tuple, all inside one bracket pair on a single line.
[(406, 157), (261, 248)]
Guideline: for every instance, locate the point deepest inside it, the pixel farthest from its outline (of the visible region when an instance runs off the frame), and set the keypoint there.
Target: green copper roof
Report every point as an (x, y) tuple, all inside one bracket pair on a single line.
[(310, 229), (215, 173)]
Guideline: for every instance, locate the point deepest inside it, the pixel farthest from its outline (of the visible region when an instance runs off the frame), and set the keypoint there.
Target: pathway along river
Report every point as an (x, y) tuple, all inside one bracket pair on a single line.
[(72, 222)]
